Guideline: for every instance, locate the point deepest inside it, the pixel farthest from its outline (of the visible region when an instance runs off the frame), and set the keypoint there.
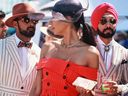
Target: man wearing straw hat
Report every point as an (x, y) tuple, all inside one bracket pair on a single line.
[(18, 54)]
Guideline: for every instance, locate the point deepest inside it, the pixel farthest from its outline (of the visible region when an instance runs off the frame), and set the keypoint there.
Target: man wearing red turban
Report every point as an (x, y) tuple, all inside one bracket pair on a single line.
[(112, 77), (100, 11)]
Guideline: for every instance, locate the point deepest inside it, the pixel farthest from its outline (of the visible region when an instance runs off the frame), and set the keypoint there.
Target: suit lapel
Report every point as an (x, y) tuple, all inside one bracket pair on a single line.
[(12, 50), (115, 59), (102, 65), (34, 54)]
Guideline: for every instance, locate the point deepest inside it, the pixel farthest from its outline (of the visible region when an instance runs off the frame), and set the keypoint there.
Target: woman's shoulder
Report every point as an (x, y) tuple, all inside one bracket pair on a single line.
[(93, 56), (47, 46), (89, 49), (93, 49), (93, 52)]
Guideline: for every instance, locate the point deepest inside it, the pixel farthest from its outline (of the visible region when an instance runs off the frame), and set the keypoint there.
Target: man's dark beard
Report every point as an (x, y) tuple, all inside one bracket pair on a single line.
[(30, 32), (108, 35)]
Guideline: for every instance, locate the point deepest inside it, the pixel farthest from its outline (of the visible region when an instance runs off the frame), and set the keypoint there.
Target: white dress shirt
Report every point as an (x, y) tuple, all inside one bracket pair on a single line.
[(24, 56), (107, 56)]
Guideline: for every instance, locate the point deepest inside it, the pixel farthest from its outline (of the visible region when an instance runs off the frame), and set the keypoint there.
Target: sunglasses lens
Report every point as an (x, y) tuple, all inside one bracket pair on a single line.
[(35, 21), (26, 19), (103, 21), (113, 21)]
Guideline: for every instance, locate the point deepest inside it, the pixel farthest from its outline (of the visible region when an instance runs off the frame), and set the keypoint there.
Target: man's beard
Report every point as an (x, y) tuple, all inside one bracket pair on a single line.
[(30, 32), (107, 35)]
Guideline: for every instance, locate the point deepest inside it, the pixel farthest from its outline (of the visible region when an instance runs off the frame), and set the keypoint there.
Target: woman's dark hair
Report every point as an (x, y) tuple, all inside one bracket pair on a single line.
[(74, 9), (87, 31)]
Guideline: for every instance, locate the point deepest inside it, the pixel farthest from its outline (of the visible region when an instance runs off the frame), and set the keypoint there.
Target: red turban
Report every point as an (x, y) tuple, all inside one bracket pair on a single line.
[(99, 11)]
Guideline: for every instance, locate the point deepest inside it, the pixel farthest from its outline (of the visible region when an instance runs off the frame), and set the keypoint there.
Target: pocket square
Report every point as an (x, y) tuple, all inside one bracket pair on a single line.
[(124, 61)]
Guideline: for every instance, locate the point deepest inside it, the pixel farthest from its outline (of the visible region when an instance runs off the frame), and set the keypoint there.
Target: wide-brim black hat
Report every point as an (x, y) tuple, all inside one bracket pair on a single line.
[(71, 8)]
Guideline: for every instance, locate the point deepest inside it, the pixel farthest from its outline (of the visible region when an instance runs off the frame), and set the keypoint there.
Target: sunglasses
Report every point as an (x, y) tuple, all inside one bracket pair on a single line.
[(104, 21), (28, 20)]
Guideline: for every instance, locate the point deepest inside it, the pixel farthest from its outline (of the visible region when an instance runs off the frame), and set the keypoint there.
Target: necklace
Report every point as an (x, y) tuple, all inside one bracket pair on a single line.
[(72, 44)]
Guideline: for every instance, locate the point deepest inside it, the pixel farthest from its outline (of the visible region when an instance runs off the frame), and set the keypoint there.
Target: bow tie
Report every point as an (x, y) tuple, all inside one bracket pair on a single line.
[(24, 44)]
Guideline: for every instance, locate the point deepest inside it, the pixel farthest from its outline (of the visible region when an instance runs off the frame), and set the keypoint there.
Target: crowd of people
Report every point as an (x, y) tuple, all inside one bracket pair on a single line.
[(72, 61), (122, 38)]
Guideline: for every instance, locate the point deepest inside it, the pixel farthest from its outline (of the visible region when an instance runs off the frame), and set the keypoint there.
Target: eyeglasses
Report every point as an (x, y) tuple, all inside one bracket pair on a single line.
[(28, 20), (104, 21)]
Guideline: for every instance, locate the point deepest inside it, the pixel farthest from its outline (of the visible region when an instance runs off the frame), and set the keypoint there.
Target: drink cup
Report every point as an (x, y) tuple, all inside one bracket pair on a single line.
[(105, 86)]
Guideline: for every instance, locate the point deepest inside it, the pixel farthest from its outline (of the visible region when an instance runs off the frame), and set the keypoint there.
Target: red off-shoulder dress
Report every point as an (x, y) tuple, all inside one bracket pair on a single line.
[(58, 76)]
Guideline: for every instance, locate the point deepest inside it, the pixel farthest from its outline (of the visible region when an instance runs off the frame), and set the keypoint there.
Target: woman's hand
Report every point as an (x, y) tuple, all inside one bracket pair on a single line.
[(84, 92)]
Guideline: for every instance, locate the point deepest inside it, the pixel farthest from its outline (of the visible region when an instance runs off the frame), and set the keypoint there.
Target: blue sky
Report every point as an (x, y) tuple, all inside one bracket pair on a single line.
[(120, 5)]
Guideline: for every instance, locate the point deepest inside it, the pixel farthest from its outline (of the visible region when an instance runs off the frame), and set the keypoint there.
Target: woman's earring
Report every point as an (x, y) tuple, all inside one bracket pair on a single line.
[(81, 26)]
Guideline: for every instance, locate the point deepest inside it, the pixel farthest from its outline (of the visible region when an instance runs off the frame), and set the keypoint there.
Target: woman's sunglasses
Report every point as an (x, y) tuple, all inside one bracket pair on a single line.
[(28, 20), (104, 21)]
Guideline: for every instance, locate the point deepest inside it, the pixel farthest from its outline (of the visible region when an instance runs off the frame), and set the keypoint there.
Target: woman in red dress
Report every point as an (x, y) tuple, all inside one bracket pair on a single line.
[(74, 56)]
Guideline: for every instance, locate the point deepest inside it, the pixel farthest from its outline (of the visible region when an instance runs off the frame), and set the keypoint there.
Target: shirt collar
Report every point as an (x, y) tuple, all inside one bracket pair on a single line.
[(101, 43), (18, 40)]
